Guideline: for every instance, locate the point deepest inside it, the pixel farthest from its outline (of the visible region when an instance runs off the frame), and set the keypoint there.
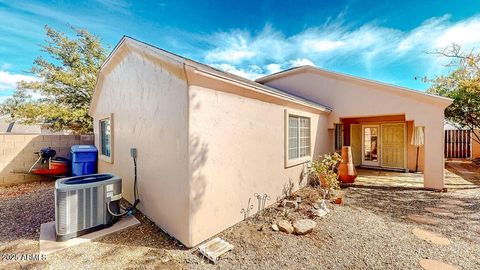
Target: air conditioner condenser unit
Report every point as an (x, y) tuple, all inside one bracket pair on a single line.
[(81, 204)]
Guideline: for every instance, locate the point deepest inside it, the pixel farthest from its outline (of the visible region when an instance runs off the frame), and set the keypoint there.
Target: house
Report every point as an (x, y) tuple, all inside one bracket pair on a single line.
[(208, 141), (9, 126)]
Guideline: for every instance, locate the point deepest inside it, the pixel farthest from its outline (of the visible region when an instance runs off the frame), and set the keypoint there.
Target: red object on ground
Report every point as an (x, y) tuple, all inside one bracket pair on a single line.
[(337, 200), (56, 167), (346, 169), (50, 171)]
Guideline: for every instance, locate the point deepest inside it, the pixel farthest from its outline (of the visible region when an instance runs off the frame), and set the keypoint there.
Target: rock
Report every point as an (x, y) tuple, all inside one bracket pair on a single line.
[(431, 237), (423, 219), (275, 227), (318, 212), (320, 208), (438, 211), (303, 226), (291, 204), (436, 265), (285, 226), (322, 204)]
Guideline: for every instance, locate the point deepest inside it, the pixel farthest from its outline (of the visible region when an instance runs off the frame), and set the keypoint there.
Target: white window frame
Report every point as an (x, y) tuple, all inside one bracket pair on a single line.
[(300, 160), (101, 156)]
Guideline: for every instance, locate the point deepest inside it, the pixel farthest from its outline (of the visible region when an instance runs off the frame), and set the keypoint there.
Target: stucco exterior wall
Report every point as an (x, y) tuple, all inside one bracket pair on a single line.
[(147, 96), (237, 150), (350, 98), (475, 147)]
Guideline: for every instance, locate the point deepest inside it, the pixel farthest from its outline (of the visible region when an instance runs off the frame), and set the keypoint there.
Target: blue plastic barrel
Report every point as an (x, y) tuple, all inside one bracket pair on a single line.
[(84, 159)]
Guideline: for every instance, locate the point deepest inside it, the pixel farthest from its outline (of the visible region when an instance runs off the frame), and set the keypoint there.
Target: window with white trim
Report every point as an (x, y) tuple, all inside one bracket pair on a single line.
[(299, 139), (105, 137)]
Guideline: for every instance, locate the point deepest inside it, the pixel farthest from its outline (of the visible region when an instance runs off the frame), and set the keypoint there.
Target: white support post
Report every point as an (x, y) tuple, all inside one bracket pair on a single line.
[(434, 154)]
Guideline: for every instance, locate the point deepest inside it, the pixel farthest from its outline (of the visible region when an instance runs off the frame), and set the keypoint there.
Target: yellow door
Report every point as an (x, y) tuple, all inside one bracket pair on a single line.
[(393, 145), (356, 143)]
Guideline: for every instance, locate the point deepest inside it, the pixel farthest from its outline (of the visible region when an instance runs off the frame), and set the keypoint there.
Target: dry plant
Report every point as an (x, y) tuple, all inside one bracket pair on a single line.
[(324, 174)]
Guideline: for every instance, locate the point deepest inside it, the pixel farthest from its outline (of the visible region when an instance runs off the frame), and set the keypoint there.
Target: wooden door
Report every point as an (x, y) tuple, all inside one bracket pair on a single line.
[(356, 143), (393, 145)]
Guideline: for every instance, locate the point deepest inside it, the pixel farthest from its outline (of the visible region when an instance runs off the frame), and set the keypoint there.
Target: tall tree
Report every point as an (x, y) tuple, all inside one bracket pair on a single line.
[(66, 81), (463, 86)]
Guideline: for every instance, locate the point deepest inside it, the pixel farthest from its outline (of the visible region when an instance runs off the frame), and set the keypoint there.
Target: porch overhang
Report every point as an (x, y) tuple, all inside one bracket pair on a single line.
[(430, 156)]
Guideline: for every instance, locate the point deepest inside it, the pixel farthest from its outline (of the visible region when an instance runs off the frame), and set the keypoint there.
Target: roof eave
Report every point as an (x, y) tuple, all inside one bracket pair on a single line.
[(208, 70), (444, 101), (268, 91)]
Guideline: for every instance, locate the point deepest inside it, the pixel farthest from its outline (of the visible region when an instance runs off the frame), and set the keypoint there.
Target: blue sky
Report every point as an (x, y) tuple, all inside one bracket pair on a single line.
[(380, 40)]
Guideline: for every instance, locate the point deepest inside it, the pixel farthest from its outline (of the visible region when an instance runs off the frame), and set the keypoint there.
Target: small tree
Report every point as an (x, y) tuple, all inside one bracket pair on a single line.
[(324, 172), (463, 86), (65, 86)]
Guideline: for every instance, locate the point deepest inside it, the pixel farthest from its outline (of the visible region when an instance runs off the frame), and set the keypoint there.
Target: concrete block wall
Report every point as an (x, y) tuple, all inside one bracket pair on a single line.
[(17, 153)]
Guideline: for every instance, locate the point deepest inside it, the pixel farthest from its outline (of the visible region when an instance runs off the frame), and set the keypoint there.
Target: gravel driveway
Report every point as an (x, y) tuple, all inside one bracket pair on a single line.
[(370, 231)]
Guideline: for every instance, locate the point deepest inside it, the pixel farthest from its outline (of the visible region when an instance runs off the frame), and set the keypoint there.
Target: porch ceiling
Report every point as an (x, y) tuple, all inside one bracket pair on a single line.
[(367, 119)]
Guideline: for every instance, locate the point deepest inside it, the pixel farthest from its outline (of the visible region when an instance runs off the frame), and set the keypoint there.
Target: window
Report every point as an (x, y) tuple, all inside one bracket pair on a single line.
[(298, 143), (105, 131), (338, 137)]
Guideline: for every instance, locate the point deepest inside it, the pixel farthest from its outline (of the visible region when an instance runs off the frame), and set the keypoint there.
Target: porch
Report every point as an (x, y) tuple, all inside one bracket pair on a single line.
[(389, 142), (374, 178)]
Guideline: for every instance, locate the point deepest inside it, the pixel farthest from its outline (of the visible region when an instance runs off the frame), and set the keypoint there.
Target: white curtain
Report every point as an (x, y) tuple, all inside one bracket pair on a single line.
[(418, 136)]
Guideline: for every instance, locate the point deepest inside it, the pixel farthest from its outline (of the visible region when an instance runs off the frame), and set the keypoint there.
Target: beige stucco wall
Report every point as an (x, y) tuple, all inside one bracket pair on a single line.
[(352, 98), (147, 95), (202, 153), (237, 150)]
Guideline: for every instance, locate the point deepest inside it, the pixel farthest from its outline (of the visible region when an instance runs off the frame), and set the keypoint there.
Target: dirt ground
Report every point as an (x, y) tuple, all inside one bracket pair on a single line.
[(466, 169), (371, 230)]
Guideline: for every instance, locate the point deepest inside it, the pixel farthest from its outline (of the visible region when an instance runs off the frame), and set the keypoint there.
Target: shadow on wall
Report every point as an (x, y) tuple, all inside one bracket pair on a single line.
[(198, 158), (261, 199), (198, 153), (17, 153)]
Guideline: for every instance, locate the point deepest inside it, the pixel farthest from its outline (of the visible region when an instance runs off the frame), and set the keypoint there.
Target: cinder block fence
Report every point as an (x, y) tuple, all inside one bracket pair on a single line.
[(17, 153)]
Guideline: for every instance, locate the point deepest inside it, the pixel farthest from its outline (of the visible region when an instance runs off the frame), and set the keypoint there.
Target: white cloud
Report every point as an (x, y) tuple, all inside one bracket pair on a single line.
[(8, 81), (300, 62), (240, 46), (254, 71), (370, 46), (232, 47), (250, 72), (273, 68), (324, 45), (117, 5), (438, 33)]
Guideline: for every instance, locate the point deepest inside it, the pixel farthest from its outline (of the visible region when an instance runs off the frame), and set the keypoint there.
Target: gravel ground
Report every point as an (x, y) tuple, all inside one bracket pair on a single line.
[(23, 208), (370, 231)]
